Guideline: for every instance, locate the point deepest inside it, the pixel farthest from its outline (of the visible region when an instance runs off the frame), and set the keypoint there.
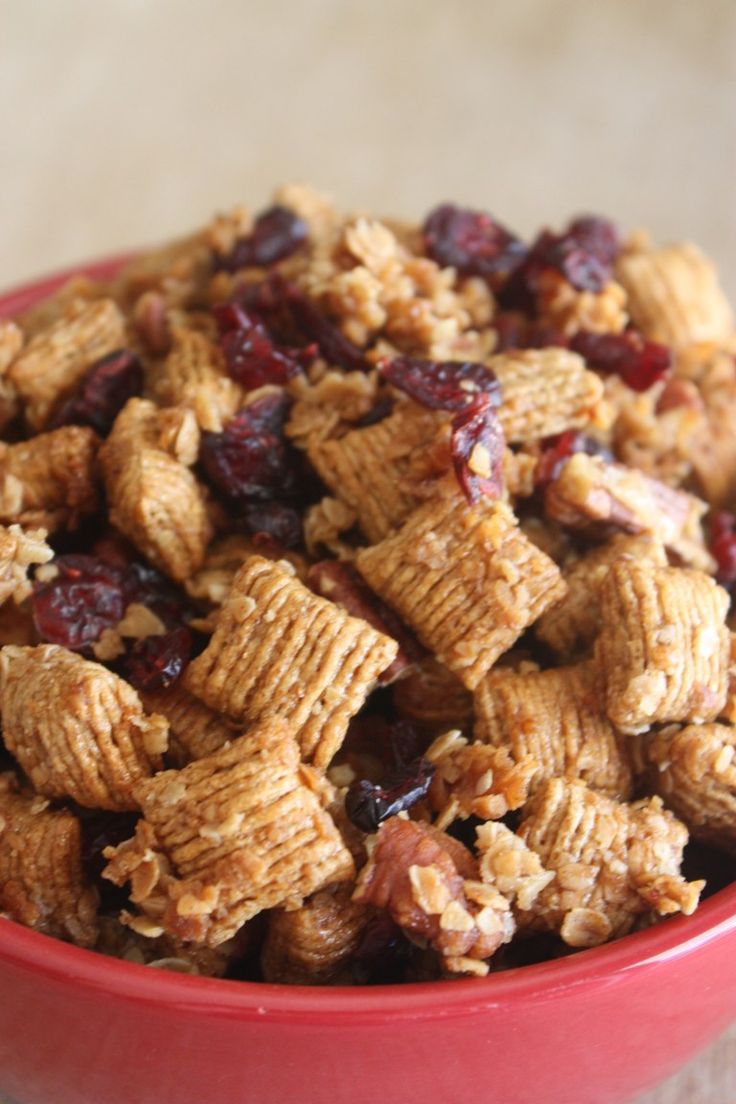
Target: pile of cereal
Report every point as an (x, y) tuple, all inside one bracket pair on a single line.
[(365, 596)]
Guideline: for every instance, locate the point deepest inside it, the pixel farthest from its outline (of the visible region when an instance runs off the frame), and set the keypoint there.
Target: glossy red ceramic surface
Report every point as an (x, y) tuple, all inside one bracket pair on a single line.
[(596, 1028)]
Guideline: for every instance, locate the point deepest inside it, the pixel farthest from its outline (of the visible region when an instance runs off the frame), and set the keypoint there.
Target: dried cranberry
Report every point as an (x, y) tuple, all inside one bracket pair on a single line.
[(442, 385), (471, 242), (252, 358), (158, 661), (273, 525), (722, 546), (557, 450), (86, 596), (404, 743), (333, 345), (383, 408), (105, 389), (276, 234), (342, 584), (149, 588), (368, 804), (477, 449), (251, 460), (639, 363)]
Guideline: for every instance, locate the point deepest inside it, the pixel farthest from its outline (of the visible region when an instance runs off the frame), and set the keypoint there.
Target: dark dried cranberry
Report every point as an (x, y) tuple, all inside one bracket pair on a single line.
[(273, 525), (158, 661), (404, 744), (105, 389), (477, 446), (251, 460), (368, 804), (383, 408), (722, 546), (149, 588), (442, 385), (100, 830), (557, 450), (471, 242), (333, 345), (639, 363), (342, 584), (252, 358), (276, 234), (86, 597)]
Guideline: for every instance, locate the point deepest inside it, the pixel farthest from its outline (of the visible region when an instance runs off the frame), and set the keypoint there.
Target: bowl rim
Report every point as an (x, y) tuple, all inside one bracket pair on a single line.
[(670, 939)]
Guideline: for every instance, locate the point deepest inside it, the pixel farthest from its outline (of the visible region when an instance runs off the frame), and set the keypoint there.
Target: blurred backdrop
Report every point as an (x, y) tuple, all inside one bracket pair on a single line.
[(128, 121)]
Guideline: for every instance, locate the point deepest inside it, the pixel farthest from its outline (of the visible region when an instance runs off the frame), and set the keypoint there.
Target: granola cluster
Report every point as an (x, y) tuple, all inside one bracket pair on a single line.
[(365, 596)]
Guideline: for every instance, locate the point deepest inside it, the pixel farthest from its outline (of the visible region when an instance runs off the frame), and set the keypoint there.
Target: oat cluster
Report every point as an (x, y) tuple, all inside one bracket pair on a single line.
[(365, 596)]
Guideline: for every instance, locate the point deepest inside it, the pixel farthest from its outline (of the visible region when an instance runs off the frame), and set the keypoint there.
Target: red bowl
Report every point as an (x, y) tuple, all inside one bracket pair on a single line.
[(595, 1028)]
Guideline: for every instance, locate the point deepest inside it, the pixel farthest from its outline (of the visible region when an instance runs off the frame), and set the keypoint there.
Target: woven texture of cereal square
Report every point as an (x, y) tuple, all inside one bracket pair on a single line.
[(229, 836), (465, 578), (55, 360), (194, 730), (279, 650), (76, 729), (18, 550), (544, 392), (311, 945), (612, 862), (193, 375), (376, 470), (50, 480), (555, 717), (590, 493), (694, 772), (663, 650), (42, 883), (674, 295), (154, 498), (575, 621)]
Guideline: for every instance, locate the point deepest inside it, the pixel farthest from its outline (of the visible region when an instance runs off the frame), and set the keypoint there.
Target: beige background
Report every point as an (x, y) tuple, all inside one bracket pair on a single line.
[(126, 121)]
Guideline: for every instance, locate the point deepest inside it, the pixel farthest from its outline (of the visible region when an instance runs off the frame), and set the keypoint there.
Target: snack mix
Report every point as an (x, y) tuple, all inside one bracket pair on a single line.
[(366, 596)]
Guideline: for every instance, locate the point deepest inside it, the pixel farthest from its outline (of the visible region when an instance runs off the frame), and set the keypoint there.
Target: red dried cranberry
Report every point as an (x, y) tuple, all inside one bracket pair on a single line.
[(273, 525), (86, 597), (250, 459), (333, 345), (276, 234), (368, 804), (250, 354), (342, 584), (442, 385), (158, 661), (477, 447), (149, 588), (639, 363), (557, 450), (471, 242), (105, 389), (722, 546)]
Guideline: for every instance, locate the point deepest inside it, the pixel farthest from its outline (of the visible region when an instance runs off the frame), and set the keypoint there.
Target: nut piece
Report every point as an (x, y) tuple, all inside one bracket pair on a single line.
[(18, 550), (154, 498), (229, 836), (313, 944), (664, 647), (590, 493), (55, 360), (544, 392), (674, 295), (575, 621), (193, 375), (465, 578), (280, 650), (694, 772), (378, 471), (76, 729), (50, 480), (42, 884), (618, 861), (194, 730), (555, 719)]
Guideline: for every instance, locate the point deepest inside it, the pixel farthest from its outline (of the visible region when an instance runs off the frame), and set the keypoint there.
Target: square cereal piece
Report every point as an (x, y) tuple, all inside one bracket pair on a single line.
[(664, 647), (590, 494), (557, 718), (377, 470), (193, 375), (227, 837), (195, 731), (575, 621), (465, 578), (279, 650), (543, 392), (50, 480), (42, 882)]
